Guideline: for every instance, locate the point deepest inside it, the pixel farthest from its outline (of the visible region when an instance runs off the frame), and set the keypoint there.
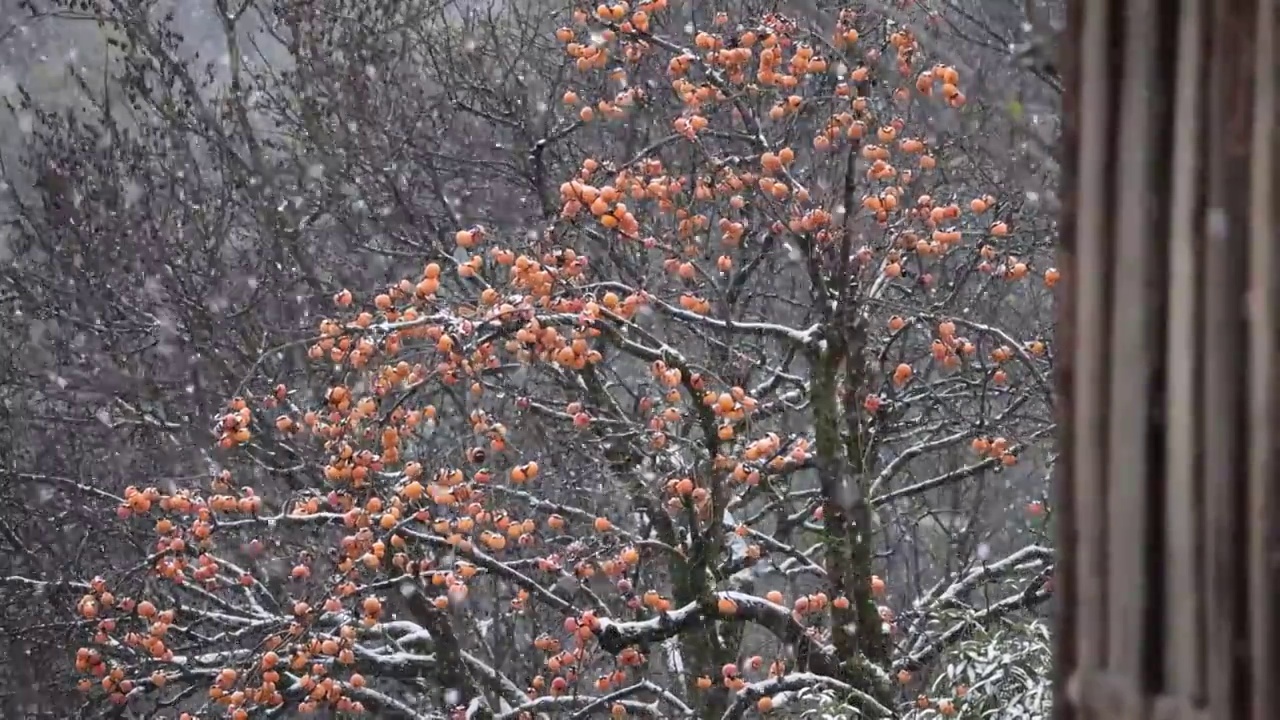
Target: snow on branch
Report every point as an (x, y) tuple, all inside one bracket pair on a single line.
[(616, 636), (511, 692), (570, 511), (794, 682), (42, 585), (936, 481), (565, 703), (585, 705), (70, 483), (1019, 349), (772, 544), (667, 695), (898, 463), (804, 338), (384, 705), (393, 664), (928, 646), (932, 647), (1032, 556), (498, 568)]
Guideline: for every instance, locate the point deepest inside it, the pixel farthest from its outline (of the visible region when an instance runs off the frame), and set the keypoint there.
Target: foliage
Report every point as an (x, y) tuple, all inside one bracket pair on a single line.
[(1005, 672), (1001, 672)]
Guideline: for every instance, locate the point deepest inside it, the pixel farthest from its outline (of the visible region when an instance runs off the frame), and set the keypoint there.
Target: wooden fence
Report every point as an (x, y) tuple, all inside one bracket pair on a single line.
[(1170, 363)]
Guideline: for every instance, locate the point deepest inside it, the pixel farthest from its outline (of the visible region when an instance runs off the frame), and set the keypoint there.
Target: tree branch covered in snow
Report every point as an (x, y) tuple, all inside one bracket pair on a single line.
[(778, 620), (778, 688)]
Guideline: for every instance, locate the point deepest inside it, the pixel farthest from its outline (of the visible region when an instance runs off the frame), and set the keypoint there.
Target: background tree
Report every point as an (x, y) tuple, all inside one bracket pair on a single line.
[(756, 260)]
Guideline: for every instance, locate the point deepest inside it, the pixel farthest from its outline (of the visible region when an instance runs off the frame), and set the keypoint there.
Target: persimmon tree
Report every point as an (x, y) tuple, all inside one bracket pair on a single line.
[(666, 454)]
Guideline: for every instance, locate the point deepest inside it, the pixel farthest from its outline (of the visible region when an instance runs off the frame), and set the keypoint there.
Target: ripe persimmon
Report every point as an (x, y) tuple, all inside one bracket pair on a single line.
[(877, 586), (901, 374)]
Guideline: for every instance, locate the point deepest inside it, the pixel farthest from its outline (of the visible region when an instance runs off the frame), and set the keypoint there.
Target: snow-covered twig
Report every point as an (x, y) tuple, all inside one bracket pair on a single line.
[(772, 544), (496, 567), (751, 693), (574, 512), (929, 647), (511, 692), (616, 636), (936, 481), (560, 704), (68, 482), (911, 453), (384, 705), (946, 596), (804, 338), (41, 585)]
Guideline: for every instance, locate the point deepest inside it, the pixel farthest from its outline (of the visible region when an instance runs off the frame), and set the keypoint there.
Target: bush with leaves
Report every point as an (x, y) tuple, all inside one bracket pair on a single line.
[(659, 456), (1000, 672)]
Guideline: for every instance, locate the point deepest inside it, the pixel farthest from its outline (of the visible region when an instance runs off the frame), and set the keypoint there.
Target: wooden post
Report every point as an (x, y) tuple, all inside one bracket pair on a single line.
[(1169, 549)]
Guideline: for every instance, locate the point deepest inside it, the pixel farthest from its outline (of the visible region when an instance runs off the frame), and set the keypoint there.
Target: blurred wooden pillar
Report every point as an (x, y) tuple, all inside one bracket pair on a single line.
[(1169, 372)]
